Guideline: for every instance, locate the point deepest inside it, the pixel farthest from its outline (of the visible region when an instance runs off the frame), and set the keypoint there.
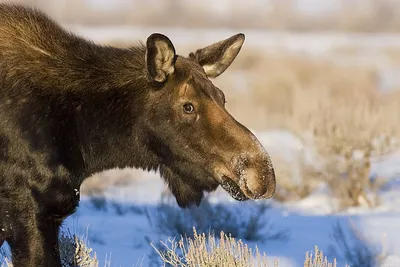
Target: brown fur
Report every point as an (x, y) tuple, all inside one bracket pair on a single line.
[(70, 108)]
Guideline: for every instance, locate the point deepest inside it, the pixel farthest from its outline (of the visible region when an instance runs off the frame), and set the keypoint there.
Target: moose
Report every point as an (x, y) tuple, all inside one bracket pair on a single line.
[(70, 108)]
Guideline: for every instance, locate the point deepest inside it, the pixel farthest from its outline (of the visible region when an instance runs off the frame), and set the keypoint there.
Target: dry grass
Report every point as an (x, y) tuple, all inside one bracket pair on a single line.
[(208, 251), (348, 130), (348, 134), (318, 260)]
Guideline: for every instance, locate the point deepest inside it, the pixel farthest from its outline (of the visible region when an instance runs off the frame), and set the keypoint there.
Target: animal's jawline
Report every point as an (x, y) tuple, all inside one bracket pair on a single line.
[(233, 189)]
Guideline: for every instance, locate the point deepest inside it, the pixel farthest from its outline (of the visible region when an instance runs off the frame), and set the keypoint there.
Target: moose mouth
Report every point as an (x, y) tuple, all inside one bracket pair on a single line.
[(233, 189)]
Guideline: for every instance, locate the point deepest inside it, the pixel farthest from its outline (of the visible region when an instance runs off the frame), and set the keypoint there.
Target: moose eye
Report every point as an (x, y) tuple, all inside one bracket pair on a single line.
[(188, 108)]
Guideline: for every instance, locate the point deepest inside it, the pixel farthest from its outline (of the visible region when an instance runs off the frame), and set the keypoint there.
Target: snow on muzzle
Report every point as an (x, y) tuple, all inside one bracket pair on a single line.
[(251, 176)]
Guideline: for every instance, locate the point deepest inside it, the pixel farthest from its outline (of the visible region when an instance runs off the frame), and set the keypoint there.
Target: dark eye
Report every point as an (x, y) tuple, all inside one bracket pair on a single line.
[(188, 108)]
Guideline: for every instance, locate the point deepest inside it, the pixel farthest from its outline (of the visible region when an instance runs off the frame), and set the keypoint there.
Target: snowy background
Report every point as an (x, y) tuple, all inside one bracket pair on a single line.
[(294, 50)]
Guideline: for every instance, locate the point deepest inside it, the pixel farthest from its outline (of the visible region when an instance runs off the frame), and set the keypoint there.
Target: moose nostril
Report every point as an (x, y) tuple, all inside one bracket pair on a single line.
[(255, 183)]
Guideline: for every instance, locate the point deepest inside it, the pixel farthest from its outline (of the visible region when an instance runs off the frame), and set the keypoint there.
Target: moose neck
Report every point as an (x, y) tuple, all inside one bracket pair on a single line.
[(108, 114)]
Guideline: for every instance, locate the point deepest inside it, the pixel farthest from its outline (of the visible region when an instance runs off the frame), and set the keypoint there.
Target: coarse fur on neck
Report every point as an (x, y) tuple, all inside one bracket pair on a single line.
[(84, 84)]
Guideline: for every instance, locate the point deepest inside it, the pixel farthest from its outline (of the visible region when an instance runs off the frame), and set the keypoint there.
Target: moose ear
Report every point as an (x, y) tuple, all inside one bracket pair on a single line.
[(216, 58), (160, 57)]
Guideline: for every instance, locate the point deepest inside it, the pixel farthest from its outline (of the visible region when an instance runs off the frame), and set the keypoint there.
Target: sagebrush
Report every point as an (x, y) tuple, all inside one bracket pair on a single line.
[(205, 250)]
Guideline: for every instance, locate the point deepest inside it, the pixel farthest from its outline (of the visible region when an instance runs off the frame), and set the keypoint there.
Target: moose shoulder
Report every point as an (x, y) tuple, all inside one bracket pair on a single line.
[(70, 108)]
